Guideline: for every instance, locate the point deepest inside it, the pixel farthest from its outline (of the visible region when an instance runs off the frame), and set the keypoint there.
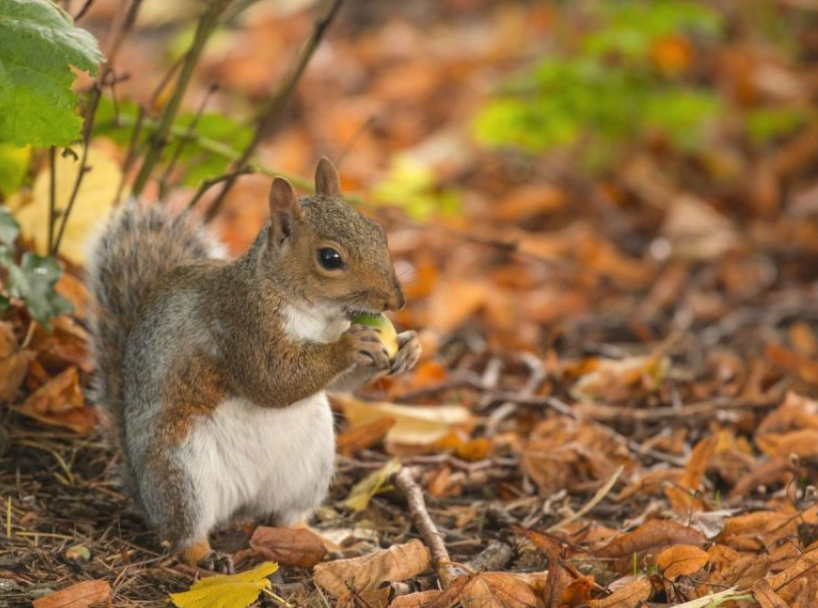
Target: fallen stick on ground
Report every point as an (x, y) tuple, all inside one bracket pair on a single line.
[(423, 523)]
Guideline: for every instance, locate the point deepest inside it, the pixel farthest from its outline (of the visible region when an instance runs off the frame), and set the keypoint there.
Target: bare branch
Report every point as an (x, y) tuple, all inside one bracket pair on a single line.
[(272, 113)]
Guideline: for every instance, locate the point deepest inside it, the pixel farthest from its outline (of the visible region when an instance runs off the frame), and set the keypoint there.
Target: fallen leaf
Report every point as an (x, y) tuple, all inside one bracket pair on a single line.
[(227, 590), (397, 563), (681, 560), (79, 595), (13, 370), (766, 597), (364, 436), (783, 582), (59, 401), (806, 368), (363, 491), (288, 546), (419, 599), (415, 425), (629, 596), (651, 537)]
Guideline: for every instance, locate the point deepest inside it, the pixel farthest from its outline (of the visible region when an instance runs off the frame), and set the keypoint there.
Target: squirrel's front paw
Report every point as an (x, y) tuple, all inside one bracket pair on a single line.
[(217, 561), (366, 348), (408, 353)]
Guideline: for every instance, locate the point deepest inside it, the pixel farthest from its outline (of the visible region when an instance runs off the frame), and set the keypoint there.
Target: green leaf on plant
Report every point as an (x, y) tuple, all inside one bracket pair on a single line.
[(14, 163), (34, 281), (411, 185), (40, 46), (9, 228)]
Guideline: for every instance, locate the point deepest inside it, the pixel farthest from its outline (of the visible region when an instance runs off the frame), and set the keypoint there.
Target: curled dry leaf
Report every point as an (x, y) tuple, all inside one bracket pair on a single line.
[(397, 563), (629, 596), (364, 436), (494, 590), (288, 546), (364, 490), (651, 537), (786, 582), (681, 560), (80, 595), (415, 425), (59, 401), (766, 597)]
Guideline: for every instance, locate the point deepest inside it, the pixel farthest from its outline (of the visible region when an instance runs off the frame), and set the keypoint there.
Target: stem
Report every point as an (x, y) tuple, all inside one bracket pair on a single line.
[(207, 25), (272, 113), (117, 36), (209, 183), (52, 197)]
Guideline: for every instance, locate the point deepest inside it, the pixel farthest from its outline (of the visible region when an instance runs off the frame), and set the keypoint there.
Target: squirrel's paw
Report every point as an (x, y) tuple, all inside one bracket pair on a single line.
[(408, 353), (366, 348), (217, 561)]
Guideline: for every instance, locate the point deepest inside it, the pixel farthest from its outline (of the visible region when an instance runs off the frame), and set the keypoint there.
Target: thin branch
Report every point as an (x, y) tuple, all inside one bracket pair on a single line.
[(274, 110), (177, 152), (52, 197), (209, 183), (207, 24), (117, 36), (423, 523)]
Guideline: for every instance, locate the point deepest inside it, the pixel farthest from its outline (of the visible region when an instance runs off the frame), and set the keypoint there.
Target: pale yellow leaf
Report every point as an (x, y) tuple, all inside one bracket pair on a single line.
[(364, 490), (416, 425), (227, 590), (94, 199)]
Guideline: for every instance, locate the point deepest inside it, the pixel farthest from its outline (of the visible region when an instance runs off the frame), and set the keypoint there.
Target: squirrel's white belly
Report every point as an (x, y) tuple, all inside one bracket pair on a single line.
[(262, 460)]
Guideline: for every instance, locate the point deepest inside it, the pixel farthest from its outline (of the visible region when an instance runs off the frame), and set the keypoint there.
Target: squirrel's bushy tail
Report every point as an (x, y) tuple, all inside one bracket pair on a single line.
[(133, 251)]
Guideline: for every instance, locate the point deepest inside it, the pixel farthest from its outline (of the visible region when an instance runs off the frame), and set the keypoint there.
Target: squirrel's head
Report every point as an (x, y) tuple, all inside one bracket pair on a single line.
[(330, 252)]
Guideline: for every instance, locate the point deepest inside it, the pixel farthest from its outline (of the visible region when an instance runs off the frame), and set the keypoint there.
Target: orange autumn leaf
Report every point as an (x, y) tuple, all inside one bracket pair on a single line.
[(681, 560), (79, 595), (630, 596)]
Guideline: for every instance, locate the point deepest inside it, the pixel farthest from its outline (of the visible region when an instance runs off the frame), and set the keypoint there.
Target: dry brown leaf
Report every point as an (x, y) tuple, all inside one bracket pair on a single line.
[(580, 591), (397, 563), (803, 442), (699, 460), (681, 560), (288, 546), (494, 590), (629, 596), (364, 436), (651, 537), (784, 583), (415, 425), (59, 401), (418, 599), (794, 363), (80, 595), (766, 597), (13, 370), (454, 301)]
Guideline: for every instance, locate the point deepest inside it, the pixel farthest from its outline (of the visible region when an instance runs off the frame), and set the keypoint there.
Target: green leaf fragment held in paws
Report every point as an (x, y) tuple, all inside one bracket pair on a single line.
[(381, 324)]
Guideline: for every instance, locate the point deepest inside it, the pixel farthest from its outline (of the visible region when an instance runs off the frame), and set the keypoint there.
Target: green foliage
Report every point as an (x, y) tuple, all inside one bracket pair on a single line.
[(40, 45), (33, 280), (765, 124), (411, 185), (14, 163), (206, 150), (610, 90)]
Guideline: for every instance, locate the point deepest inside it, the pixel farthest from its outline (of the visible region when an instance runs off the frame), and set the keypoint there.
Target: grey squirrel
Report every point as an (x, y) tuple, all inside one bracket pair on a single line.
[(213, 371)]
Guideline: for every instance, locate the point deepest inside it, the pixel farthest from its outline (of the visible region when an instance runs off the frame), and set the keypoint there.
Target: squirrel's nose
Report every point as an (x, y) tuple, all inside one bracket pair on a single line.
[(396, 301)]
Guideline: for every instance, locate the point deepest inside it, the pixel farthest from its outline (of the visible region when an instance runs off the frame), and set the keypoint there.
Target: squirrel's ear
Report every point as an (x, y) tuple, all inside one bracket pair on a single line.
[(283, 206), (326, 178)]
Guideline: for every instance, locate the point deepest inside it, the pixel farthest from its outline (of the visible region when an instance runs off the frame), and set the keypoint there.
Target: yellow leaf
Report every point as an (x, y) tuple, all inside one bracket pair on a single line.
[(415, 425), (94, 199), (364, 490), (227, 590)]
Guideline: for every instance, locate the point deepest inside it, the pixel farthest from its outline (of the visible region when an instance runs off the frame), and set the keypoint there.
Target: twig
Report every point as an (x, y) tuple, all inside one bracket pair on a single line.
[(177, 152), (425, 526), (83, 9), (494, 557), (52, 197), (595, 500), (207, 24), (278, 102), (117, 36), (209, 183)]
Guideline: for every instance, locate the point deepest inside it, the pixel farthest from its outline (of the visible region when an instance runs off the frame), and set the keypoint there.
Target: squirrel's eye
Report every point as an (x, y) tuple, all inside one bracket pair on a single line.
[(329, 258)]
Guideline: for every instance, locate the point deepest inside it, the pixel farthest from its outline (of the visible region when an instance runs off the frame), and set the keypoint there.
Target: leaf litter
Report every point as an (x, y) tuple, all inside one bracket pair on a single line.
[(641, 341)]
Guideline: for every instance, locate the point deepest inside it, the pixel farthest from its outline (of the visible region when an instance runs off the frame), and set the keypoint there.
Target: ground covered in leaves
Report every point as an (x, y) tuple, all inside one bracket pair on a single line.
[(616, 406)]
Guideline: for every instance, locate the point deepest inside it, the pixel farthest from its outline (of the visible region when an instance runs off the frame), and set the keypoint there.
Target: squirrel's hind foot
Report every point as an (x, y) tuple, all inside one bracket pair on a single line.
[(201, 555)]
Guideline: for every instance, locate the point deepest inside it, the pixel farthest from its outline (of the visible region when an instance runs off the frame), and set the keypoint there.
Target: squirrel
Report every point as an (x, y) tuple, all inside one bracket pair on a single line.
[(213, 371)]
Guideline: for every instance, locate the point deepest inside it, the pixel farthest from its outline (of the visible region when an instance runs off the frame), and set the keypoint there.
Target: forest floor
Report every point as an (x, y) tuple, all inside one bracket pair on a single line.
[(619, 378)]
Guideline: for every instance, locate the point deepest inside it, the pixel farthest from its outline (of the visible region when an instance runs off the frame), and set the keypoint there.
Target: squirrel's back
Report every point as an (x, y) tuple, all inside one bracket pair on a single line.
[(135, 249)]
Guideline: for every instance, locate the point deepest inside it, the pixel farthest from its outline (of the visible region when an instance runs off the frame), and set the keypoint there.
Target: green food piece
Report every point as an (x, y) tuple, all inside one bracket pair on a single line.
[(381, 324), (40, 45)]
